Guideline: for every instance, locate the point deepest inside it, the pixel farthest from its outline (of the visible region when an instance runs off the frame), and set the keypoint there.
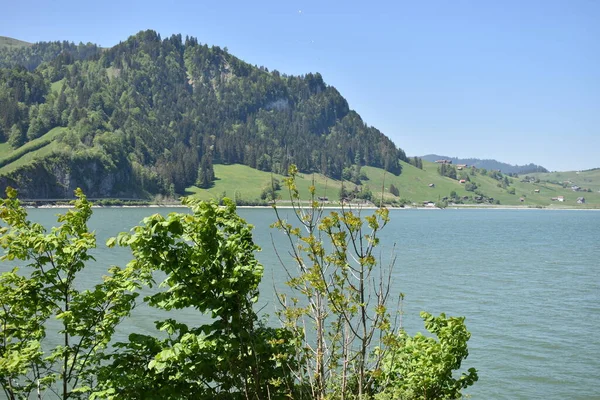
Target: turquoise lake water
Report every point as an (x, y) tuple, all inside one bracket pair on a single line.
[(528, 282)]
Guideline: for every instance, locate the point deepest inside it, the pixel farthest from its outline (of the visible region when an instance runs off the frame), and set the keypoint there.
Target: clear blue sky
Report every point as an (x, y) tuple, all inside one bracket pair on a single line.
[(518, 81)]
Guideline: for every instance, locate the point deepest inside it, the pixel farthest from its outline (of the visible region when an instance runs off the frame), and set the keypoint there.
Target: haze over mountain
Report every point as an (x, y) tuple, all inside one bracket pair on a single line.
[(153, 115), (489, 164)]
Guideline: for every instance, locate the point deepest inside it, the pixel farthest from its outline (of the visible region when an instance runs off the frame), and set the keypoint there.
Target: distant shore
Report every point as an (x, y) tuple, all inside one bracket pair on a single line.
[(337, 206)]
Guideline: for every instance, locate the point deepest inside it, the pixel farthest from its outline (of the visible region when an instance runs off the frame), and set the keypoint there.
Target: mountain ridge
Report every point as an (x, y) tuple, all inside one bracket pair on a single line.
[(489, 164)]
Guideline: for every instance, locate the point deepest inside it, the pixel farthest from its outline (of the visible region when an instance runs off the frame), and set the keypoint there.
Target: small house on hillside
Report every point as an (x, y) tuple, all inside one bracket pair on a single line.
[(432, 185), (580, 200), (537, 190), (560, 198), (462, 181)]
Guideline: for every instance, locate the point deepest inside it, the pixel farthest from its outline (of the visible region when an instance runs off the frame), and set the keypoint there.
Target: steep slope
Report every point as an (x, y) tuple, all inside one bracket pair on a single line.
[(163, 112)]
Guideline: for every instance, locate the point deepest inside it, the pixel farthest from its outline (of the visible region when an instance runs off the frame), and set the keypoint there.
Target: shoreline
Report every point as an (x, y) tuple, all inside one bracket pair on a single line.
[(337, 207)]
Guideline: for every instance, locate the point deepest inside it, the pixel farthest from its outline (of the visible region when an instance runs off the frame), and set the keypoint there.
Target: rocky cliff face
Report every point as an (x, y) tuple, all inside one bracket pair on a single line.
[(58, 178)]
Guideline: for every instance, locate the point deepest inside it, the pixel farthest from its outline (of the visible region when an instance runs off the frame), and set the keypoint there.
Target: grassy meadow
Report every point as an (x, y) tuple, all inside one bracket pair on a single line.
[(55, 87), (247, 183), (413, 184), (11, 159), (584, 179)]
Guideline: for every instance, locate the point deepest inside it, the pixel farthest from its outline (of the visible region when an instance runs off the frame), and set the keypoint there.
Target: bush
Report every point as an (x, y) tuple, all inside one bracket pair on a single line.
[(421, 367), (365, 193), (470, 186)]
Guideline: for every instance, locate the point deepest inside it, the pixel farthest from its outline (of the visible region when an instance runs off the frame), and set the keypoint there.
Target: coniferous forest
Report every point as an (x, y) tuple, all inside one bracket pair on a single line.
[(152, 116)]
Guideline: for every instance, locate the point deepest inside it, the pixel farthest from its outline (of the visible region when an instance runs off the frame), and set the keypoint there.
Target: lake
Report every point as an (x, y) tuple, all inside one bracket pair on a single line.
[(528, 282)]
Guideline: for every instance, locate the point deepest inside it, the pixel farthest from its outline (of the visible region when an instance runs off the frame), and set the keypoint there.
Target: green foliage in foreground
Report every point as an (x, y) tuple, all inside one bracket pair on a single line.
[(208, 259), (421, 367), (208, 264), (46, 291), (341, 290)]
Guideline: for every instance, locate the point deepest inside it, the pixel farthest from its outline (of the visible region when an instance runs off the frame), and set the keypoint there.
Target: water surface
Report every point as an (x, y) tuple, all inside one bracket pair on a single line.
[(528, 282)]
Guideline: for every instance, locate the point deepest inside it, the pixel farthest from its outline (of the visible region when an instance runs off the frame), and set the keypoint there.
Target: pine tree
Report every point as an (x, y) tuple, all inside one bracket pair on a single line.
[(206, 173)]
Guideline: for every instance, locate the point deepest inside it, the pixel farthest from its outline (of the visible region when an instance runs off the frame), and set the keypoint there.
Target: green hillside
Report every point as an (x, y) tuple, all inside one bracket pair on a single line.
[(589, 179), (11, 159), (10, 43), (413, 183), (414, 186), (248, 183), (241, 181)]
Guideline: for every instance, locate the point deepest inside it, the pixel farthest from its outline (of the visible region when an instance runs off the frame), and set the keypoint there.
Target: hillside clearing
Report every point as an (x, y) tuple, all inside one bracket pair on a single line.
[(10, 158)]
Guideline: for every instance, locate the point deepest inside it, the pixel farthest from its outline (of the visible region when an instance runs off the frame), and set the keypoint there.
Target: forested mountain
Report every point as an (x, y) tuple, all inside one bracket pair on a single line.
[(17, 53), (489, 164), (153, 115)]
